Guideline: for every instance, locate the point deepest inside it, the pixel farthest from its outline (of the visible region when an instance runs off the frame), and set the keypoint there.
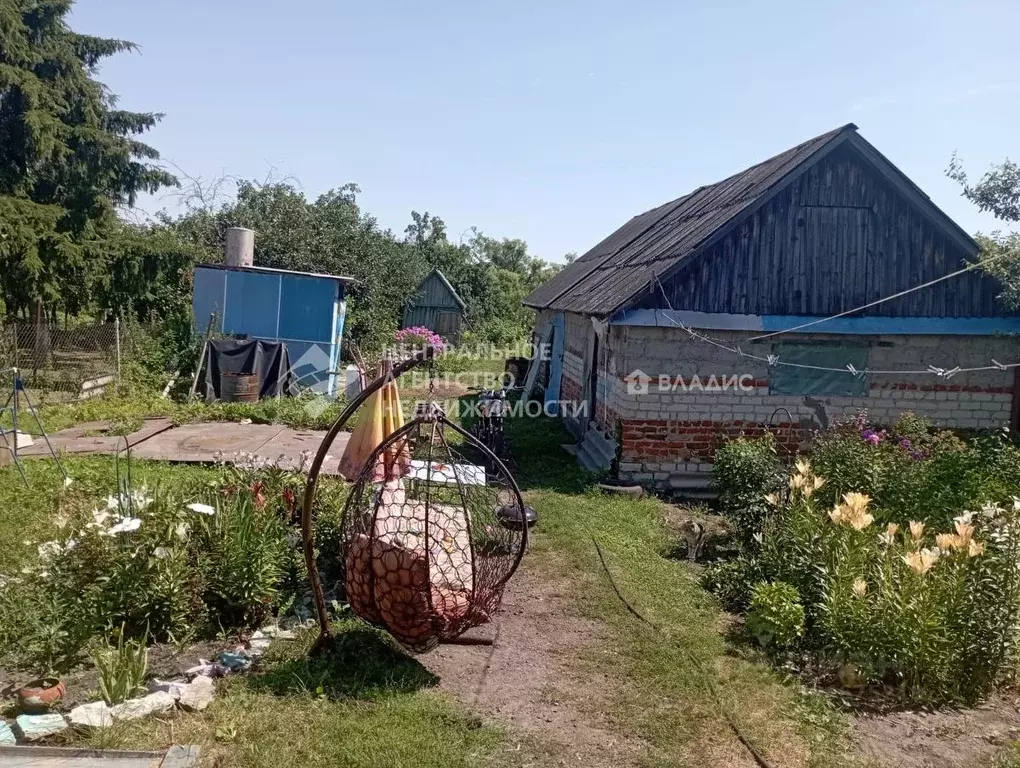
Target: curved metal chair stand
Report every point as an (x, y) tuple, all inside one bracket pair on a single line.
[(462, 551)]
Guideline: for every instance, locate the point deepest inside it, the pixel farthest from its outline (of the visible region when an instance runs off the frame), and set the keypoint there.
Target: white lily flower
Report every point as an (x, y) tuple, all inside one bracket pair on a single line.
[(48, 550), (126, 525), (991, 510), (964, 519), (202, 509), (161, 552)]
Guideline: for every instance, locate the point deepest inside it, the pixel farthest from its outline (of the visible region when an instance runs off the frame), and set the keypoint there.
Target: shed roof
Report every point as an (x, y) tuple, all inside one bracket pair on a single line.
[(654, 244), (446, 284), (274, 271)]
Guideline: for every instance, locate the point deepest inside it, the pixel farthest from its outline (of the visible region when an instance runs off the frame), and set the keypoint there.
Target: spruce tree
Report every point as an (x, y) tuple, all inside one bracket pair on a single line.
[(68, 159)]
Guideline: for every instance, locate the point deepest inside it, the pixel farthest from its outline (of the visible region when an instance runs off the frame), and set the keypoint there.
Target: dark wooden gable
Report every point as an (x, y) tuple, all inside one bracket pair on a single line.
[(842, 233)]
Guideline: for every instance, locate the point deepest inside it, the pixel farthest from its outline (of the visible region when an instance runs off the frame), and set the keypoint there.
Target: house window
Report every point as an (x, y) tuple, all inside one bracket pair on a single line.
[(790, 380)]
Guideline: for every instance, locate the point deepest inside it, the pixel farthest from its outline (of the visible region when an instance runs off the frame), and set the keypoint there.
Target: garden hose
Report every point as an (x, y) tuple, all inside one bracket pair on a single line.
[(706, 675)]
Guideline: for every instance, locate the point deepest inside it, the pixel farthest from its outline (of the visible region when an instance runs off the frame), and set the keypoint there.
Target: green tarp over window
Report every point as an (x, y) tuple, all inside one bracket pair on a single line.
[(787, 380)]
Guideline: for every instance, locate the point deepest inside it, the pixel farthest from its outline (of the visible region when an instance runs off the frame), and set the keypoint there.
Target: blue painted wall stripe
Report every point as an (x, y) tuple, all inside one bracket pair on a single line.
[(873, 326)]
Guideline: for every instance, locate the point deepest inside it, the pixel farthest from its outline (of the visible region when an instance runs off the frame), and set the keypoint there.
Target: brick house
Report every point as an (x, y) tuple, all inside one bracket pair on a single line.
[(825, 227)]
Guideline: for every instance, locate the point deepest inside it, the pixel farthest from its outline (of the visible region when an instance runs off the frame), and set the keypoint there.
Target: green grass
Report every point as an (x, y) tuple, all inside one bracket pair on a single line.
[(367, 705), (370, 705), (660, 692), (126, 411)]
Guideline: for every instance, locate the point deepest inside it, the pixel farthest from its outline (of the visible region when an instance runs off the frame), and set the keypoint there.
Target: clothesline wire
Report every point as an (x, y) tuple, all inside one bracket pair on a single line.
[(957, 273)]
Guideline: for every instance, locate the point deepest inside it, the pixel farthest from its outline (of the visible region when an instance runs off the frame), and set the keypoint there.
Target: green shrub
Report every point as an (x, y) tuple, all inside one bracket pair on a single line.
[(930, 610), (775, 616), (745, 471), (122, 667), (731, 581), (912, 471), (158, 565), (245, 549)]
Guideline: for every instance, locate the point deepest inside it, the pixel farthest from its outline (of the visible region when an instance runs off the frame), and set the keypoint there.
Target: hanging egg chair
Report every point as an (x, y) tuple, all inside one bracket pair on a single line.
[(431, 530)]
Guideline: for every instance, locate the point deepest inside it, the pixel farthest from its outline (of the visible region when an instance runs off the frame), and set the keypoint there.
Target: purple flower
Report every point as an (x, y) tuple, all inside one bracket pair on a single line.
[(905, 443), (871, 436), (917, 455)]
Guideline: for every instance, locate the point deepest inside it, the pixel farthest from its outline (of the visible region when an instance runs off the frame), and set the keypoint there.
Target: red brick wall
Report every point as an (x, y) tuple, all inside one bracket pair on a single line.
[(696, 441), (570, 390)]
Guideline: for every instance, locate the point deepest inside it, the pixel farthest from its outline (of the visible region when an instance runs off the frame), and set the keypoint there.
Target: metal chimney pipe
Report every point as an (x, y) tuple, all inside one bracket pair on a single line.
[(240, 247)]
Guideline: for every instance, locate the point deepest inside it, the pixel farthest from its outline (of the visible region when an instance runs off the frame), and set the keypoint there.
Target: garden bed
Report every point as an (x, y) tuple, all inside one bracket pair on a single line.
[(885, 562)]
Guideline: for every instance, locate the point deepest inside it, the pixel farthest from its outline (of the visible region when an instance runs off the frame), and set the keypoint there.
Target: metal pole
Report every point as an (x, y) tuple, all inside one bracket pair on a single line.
[(42, 429), (116, 332), (3, 434), (14, 409)]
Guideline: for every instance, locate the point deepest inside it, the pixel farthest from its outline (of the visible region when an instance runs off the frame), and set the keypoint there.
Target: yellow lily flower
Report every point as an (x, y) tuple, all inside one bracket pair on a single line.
[(946, 541), (922, 561), (965, 531), (857, 501), (860, 520), (860, 587), (916, 529), (975, 548)]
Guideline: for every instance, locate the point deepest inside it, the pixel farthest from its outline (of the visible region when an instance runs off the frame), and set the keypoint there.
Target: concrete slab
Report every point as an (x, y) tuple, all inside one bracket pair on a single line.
[(159, 440), (207, 441), (94, 437), (289, 445)]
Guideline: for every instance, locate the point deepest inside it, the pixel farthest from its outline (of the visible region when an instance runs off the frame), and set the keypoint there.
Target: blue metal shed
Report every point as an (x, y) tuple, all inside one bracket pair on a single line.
[(303, 309)]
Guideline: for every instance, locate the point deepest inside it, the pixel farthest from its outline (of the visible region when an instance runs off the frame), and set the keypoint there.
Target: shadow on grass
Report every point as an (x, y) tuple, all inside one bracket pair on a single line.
[(361, 664), (541, 462), (537, 459)]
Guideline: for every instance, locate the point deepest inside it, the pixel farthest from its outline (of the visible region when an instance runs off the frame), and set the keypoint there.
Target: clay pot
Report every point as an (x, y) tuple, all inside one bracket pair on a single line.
[(41, 695)]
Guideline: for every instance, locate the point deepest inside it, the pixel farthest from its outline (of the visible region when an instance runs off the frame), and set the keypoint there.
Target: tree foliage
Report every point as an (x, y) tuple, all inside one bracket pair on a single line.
[(68, 159), (996, 192), (332, 234)]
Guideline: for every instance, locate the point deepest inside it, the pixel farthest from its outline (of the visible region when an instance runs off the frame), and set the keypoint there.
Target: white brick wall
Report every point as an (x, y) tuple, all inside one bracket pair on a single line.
[(670, 351)]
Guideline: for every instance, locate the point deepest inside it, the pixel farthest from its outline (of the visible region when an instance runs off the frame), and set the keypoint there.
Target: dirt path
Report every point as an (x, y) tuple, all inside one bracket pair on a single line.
[(526, 681), (942, 739)]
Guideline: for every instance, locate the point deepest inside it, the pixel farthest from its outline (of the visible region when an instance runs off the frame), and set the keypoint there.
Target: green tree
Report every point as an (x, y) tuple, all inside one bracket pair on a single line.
[(333, 235), (68, 158), (996, 192)]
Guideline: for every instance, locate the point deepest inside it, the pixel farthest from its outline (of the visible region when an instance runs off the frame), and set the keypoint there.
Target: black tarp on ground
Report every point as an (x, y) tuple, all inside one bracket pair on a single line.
[(267, 359)]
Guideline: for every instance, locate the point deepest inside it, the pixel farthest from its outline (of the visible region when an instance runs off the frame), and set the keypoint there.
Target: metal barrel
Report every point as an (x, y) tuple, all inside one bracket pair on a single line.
[(239, 387)]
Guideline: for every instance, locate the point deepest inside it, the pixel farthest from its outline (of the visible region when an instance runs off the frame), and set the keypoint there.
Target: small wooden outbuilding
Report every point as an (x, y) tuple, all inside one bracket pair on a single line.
[(436, 306)]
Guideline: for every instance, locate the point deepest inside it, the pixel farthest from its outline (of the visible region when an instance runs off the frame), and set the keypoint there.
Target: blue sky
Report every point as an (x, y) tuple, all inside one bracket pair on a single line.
[(556, 121)]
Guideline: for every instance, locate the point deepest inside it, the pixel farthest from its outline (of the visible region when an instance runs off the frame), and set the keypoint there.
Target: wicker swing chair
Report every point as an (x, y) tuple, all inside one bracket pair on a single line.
[(429, 537)]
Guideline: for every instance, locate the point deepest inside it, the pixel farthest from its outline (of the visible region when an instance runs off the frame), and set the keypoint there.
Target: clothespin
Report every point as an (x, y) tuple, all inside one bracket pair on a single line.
[(999, 365), (773, 359), (857, 374)]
